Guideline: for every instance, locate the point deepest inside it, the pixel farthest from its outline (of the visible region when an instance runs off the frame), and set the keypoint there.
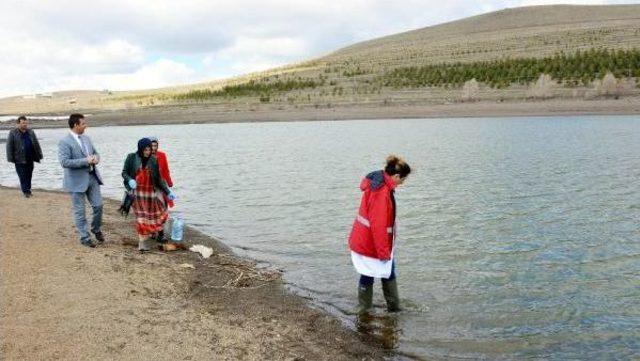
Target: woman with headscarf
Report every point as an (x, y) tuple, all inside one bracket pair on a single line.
[(163, 164), (141, 175), (372, 238), (165, 173)]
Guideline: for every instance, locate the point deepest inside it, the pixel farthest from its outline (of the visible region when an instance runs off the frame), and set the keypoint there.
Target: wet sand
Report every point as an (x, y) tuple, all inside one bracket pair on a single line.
[(62, 301)]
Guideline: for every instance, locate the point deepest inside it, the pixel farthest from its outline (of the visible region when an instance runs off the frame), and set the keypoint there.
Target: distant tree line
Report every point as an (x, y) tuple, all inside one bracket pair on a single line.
[(251, 88), (582, 67)]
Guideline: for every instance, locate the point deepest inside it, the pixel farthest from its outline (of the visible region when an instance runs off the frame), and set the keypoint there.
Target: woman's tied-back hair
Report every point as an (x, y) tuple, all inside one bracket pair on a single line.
[(397, 165)]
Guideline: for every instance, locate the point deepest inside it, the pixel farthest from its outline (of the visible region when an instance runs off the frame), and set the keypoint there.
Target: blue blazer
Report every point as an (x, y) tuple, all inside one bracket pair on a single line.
[(74, 162)]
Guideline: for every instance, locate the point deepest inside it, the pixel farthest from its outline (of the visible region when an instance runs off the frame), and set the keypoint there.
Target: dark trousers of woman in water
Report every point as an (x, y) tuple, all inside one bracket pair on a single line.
[(389, 289)]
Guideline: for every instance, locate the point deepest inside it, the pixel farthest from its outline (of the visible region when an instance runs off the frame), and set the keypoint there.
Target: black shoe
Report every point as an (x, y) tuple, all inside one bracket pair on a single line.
[(27, 195), (99, 237), (88, 244), (160, 237)]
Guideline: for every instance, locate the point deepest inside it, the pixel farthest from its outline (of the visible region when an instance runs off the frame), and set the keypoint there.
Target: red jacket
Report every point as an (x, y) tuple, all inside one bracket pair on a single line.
[(163, 164), (373, 230), (163, 167)]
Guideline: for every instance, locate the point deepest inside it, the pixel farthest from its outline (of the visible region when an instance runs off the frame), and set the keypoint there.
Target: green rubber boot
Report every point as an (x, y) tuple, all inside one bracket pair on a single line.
[(390, 290), (365, 298)]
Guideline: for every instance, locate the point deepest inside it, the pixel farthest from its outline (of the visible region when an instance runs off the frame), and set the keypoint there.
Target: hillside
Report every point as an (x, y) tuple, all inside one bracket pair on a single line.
[(380, 72), (522, 32)]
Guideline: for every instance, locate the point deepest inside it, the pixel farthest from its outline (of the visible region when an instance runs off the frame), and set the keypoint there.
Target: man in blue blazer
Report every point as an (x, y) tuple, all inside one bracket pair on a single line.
[(79, 159)]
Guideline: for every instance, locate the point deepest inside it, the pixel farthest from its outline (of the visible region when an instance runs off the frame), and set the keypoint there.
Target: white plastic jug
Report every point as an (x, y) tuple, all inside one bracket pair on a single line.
[(176, 229)]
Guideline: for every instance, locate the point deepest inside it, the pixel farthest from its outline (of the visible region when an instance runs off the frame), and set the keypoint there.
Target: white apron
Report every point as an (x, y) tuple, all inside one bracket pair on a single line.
[(373, 267)]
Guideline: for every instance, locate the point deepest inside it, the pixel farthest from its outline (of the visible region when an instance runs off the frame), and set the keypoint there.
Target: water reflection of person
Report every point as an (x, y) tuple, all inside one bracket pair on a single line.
[(373, 234), (142, 175), (383, 328)]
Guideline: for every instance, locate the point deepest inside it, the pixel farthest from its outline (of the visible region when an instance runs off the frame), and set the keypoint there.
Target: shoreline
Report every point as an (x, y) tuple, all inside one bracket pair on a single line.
[(205, 114), (173, 305)]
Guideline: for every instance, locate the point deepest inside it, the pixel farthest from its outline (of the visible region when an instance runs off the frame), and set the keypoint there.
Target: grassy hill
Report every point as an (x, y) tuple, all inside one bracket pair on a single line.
[(499, 56)]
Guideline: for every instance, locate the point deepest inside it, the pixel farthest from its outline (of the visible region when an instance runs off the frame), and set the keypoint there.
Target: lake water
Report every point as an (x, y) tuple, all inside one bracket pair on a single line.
[(518, 237)]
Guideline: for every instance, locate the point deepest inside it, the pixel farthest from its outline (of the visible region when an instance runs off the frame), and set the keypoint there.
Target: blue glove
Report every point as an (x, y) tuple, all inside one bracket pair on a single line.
[(172, 196), (132, 184)]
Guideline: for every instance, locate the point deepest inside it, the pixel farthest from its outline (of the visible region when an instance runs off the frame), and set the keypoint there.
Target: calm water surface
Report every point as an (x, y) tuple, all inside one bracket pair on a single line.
[(518, 238)]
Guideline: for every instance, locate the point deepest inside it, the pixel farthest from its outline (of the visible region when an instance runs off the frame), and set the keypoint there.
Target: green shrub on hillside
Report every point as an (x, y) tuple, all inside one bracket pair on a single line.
[(582, 67), (354, 72), (250, 88)]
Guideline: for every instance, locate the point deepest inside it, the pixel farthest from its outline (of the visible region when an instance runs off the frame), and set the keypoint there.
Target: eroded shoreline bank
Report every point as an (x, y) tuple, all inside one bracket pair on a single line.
[(201, 114)]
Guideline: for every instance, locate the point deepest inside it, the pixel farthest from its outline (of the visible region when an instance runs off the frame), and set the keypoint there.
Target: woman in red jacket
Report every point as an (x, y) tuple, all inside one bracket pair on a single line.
[(162, 161), (373, 234), (165, 174)]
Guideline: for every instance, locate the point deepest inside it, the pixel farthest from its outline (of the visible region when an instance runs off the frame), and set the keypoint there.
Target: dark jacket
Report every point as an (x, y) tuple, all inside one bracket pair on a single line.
[(134, 162), (15, 147)]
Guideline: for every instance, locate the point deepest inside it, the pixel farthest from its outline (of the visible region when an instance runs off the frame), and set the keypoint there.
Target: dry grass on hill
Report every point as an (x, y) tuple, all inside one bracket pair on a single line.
[(352, 75)]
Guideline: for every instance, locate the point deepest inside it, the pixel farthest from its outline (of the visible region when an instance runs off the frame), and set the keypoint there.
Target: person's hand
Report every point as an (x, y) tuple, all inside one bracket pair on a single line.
[(132, 184), (172, 196), (93, 159)]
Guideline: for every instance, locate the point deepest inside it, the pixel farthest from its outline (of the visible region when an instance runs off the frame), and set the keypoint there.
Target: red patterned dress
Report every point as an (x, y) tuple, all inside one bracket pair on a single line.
[(149, 205)]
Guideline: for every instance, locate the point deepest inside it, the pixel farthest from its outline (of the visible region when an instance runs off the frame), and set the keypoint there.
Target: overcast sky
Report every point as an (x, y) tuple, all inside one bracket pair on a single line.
[(133, 44)]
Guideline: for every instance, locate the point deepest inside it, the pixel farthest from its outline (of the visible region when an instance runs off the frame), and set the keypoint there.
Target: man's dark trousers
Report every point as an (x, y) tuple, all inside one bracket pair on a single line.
[(25, 172)]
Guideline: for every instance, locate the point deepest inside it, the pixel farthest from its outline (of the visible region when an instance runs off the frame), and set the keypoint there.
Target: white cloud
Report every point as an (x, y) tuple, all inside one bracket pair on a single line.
[(64, 44), (35, 52), (163, 72), (255, 54)]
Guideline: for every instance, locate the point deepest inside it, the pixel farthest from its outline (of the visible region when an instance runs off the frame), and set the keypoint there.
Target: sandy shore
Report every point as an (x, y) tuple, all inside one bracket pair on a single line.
[(268, 113), (62, 301)]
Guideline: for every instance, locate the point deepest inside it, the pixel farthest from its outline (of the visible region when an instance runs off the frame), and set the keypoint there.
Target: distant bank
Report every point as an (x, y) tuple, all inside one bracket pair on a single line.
[(199, 114)]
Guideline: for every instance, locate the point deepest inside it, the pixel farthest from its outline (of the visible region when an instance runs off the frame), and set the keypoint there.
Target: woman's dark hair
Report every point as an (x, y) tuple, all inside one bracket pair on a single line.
[(75, 119), (397, 165), (20, 118)]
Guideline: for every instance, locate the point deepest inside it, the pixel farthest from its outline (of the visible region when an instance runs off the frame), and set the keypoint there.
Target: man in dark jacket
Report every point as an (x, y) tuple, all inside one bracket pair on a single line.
[(23, 149)]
